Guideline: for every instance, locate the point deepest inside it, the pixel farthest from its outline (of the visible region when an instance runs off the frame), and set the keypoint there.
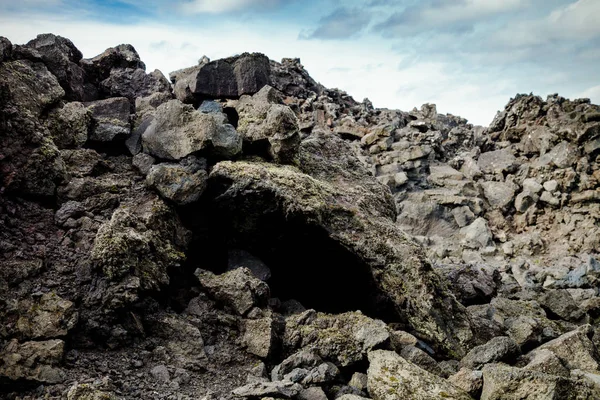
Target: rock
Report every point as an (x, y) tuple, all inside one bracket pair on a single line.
[(477, 233), (496, 162), (551, 186), (392, 377), (239, 258), (498, 194), (70, 209), (504, 382), (525, 200), (5, 49), (45, 317), (439, 174), (563, 155), (62, 57), (468, 380), (143, 162), (262, 337), (312, 393), (110, 119), (324, 373), (532, 186), (359, 381), (498, 349), (263, 389), (119, 57), (262, 119), (344, 339), (143, 240), (463, 216), (37, 361), (160, 374), (69, 125), (178, 130), (574, 349), (401, 339), (226, 78), (471, 283), (305, 359), (181, 183), (134, 83), (561, 304), (351, 397), (32, 86), (421, 359), (238, 289), (548, 198), (88, 392), (544, 361)]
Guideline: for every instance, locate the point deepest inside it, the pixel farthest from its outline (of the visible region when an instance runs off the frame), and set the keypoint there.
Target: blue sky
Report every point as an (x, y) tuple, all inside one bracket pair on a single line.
[(467, 56)]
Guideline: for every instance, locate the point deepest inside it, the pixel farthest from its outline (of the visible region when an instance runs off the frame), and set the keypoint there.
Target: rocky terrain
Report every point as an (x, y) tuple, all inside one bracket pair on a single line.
[(239, 231)]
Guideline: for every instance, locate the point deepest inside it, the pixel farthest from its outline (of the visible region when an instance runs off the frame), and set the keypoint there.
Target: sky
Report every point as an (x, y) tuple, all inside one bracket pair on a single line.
[(467, 56)]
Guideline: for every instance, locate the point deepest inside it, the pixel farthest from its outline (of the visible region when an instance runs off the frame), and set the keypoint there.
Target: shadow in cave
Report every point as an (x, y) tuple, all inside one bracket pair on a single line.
[(306, 264)]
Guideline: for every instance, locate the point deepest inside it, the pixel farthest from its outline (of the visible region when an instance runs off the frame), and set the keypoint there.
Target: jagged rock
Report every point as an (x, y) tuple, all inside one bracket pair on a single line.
[(351, 397), (263, 389), (178, 130), (225, 78), (498, 349), (291, 78), (69, 125), (134, 83), (392, 377), (305, 359), (32, 86), (160, 374), (504, 382), (5, 49), (262, 119), (110, 119), (312, 393), (468, 380), (46, 316), (37, 361), (574, 349), (498, 194), (238, 289), (359, 381), (471, 283), (87, 391), (181, 183), (183, 340), (262, 337), (496, 162), (143, 162), (62, 57), (477, 233), (421, 358), (119, 57), (560, 303), (544, 360), (344, 339), (143, 240)]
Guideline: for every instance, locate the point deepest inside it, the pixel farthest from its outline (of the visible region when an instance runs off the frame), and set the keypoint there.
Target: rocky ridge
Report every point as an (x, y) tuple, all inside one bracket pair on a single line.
[(240, 231)]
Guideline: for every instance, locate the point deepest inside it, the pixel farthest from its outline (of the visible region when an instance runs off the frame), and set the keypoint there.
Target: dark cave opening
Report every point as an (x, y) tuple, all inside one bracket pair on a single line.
[(232, 116), (306, 265)]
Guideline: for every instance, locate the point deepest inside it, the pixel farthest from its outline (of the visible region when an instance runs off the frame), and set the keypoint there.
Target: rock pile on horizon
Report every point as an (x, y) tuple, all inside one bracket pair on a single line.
[(240, 231)]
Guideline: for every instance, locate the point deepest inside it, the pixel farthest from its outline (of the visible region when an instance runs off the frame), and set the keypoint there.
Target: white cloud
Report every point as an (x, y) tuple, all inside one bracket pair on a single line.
[(223, 6)]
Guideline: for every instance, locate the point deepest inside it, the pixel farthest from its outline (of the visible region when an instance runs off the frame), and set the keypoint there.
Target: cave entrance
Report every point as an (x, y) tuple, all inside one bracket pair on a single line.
[(305, 263)]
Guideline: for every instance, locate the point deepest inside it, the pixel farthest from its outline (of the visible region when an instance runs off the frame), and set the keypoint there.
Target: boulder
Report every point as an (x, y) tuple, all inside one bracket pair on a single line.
[(69, 125), (178, 130), (62, 59), (134, 83), (392, 377), (119, 57), (86, 391), (141, 240), (181, 183), (421, 359), (503, 382), (478, 233), (498, 194), (280, 389), (344, 339), (5, 49), (574, 349), (226, 78), (468, 380), (110, 119), (544, 360), (496, 162), (304, 359), (45, 317), (237, 289), (262, 336), (498, 349), (33, 361)]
